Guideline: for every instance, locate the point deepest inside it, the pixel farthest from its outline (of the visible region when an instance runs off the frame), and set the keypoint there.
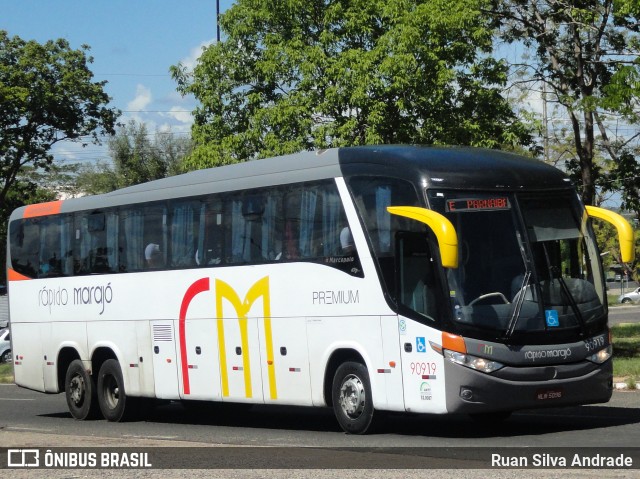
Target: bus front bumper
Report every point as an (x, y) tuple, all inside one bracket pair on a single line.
[(470, 391)]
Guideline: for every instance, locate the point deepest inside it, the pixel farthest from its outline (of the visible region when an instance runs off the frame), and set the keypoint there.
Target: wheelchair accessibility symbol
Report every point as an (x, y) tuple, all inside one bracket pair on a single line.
[(551, 315), (421, 345)]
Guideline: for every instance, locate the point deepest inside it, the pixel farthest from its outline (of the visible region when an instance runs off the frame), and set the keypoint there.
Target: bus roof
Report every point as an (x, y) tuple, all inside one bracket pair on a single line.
[(455, 167), (442, 167)]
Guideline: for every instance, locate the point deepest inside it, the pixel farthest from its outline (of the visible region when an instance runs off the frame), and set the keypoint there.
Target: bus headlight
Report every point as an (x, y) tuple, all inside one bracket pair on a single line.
[(473, 362), (602, 355)]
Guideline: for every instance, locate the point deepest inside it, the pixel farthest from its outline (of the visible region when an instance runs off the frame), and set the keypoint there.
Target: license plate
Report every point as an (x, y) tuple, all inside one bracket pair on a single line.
[(548, 394)]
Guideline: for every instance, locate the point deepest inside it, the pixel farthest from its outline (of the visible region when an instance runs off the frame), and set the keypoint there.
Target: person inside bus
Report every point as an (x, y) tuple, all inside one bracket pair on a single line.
[(153, 256)]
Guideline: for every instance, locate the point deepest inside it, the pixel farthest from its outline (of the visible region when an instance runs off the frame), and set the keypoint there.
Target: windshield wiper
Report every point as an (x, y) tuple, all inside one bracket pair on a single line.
[(572, 302), (513, 321)]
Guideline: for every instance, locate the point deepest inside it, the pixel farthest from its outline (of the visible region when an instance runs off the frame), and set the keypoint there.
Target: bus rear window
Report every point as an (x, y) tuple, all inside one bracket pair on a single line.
[(42, 247)]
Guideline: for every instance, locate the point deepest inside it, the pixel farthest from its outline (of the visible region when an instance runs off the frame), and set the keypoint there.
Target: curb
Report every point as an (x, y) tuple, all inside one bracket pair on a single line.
[(624, 387)]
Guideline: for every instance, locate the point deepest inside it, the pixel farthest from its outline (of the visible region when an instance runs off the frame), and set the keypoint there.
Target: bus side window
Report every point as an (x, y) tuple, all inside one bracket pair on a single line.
[(309, 200), (236, 239), (417, 281), (211, 243), (155, 232), (56, 246), (25, 247), (372, 196), (145, 236), (272, 226), (291, 203), (303, 223), (185, 219), (336, 236), (132, 242), (97, 242)]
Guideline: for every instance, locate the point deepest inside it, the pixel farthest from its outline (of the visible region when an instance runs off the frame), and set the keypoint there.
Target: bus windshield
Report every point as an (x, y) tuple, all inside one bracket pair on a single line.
[(526, 264)]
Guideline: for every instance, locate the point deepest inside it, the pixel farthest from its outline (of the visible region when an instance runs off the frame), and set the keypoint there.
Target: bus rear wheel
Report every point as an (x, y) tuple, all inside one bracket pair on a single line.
[(352, 400), (79, 390), (111, 394)]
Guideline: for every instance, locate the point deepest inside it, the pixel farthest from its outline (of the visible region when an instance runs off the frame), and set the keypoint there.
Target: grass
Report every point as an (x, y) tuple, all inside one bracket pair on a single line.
[(626, 340), (626, 330), (612, 299), (626, 353), (6, 373)]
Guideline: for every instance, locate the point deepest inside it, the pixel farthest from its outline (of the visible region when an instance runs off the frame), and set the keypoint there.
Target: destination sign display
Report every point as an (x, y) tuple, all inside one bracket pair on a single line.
[(478, 204)]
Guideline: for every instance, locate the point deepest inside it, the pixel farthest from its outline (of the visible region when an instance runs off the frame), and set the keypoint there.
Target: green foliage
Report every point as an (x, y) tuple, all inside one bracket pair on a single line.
[(314, 74), (138, 156), (46, 96), (586, 55)]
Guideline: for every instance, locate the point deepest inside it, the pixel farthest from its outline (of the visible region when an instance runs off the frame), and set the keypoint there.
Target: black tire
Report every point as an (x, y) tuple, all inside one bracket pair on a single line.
[(352, 399), (626, 301), (6, 357), (79, 390), (112, 397)]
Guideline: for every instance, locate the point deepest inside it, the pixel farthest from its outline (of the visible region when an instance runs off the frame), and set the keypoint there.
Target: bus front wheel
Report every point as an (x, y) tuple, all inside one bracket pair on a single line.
[(111, 393), (352, 400), (79, 390)]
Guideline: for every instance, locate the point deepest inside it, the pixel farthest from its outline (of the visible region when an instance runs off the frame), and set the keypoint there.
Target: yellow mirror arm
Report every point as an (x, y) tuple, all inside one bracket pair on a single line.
[(443, 228), (625, 231)]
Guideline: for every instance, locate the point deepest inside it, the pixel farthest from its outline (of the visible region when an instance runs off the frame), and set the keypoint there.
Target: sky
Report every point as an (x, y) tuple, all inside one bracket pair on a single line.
[(133, 44)]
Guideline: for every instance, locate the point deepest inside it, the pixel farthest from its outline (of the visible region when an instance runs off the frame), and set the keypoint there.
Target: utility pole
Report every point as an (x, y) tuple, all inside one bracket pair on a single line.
[(545, 121), (217, 21)]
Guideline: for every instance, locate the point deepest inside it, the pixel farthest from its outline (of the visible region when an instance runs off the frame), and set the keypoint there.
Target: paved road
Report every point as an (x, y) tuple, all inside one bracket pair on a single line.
[(624, 314), (616, 423), (32, 419)]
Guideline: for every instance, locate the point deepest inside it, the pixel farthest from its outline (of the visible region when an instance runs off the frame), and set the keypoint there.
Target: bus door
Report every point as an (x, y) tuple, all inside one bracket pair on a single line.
[(165, 361), (419, 307)]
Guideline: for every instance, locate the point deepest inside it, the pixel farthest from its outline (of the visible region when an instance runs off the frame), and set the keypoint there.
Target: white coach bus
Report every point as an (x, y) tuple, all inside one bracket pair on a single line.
[(396, 278)]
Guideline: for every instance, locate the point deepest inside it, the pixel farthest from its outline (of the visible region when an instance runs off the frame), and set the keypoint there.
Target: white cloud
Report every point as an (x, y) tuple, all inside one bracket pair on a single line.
[(178, 113), (190, 61), (142, 99)]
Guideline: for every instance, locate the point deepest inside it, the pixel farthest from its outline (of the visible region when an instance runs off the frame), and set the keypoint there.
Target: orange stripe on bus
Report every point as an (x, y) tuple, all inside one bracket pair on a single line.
[(42, 209), (13, 275)]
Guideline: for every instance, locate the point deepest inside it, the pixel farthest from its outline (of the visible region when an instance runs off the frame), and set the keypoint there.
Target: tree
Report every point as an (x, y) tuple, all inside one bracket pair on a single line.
[(315, 73), (137, 156), (46, 96), (585, 55)]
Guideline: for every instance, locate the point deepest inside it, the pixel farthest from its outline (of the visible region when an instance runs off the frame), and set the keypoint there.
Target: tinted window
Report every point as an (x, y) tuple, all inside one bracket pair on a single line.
[(288, 223), (372, 196), (42, 247), (96, 235)]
